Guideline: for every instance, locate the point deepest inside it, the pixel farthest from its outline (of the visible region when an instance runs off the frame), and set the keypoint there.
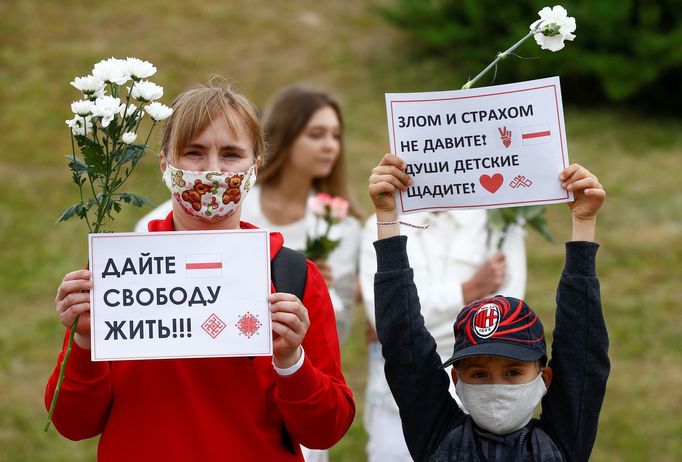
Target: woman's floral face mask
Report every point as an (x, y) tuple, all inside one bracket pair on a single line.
[(209, 196)]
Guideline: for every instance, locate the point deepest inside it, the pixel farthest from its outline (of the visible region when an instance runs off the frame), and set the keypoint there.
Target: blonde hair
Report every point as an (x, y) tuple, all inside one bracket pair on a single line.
[(286, 116), (195, 109)]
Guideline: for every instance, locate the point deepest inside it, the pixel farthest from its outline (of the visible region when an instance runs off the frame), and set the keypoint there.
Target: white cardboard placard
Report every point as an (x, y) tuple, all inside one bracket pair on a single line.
[(180, 294), (490, 147)]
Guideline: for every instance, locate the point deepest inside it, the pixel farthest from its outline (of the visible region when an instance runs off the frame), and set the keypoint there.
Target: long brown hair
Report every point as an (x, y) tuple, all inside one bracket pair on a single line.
[(285, 117), (195, 109)]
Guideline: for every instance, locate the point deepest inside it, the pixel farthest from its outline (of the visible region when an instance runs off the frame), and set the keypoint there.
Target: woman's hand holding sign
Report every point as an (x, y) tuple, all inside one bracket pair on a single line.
[(290, 323), (72, 300)]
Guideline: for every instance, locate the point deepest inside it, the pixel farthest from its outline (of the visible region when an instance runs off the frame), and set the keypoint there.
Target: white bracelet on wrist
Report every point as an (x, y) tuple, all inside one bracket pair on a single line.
[(399, 222)]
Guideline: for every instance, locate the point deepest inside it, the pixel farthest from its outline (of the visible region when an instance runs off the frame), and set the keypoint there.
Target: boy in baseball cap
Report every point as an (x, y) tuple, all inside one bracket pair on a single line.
[(499, 360)]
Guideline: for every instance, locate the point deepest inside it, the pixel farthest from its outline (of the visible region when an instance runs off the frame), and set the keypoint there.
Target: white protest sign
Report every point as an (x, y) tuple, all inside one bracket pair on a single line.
[(180, 294), (501, 146)]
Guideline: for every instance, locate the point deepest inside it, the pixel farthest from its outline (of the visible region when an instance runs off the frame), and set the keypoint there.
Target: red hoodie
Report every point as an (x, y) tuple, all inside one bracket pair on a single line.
[(213, 409)]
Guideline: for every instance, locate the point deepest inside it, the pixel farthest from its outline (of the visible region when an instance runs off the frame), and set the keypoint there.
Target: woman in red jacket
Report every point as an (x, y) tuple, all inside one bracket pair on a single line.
[(212, 409)]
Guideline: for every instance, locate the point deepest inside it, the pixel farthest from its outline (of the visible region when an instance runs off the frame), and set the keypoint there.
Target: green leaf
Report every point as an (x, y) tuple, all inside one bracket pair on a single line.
[(68, 213), (319, 248), (82, 209), (93, 155), (495, 219), (534, 216), (531, 212), (539, 224), (131, 153), (76, 164), (137, 201)]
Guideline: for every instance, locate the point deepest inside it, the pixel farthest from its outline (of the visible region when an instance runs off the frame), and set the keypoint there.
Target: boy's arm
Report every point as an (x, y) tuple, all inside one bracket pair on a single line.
[(413, 368), (570, 410)]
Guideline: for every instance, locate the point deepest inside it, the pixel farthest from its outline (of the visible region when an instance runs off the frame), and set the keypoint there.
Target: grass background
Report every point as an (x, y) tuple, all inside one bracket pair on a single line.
[(343, 46)]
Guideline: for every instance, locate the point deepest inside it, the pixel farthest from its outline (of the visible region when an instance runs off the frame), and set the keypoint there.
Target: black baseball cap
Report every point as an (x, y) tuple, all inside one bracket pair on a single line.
[(499, 326)]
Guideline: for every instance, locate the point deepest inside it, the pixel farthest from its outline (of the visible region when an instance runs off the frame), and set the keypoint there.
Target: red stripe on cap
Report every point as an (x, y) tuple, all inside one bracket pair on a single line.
[(521, 340), (512, 317), (516, 329)]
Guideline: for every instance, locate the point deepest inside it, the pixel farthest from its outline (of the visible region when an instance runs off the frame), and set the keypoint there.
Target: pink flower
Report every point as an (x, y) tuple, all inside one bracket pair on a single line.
[(324, 197), (338, 208), (328, 211), (317, 206)]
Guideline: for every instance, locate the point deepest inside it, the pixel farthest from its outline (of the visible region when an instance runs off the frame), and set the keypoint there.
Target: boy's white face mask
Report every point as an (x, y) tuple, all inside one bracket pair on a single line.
[(501, 409)]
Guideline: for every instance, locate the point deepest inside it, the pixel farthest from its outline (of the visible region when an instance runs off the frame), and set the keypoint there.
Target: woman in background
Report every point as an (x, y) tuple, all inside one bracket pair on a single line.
[(304, 128)]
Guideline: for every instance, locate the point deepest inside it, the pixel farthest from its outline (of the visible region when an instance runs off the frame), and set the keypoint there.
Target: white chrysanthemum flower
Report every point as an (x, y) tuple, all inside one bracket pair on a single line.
[(112, 70), (82, 107), (139, 69), (158, 111), (80, 125), (89, 85), (129, 137), (107, 107), (146, 91), (554, 26)]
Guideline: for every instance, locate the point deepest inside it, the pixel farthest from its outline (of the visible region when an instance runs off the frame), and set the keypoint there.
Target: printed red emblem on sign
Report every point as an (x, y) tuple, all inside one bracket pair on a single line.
[(213, 326), (505, 136), (486, 320), (520, 181), (491, 183), (248, 325)]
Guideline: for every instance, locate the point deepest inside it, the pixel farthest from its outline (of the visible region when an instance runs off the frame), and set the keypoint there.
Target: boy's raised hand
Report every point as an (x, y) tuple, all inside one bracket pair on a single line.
[(588, 197), (386, 178)]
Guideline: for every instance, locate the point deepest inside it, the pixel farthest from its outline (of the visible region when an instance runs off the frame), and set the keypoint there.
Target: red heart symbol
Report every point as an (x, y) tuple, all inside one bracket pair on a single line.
[(491, 183)]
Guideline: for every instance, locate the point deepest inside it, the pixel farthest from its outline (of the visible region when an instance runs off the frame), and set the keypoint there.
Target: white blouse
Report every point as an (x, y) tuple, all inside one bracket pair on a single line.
[(343, 260)]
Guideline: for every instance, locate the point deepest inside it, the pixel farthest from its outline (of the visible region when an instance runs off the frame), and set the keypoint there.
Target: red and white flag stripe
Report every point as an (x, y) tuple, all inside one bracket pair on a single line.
[(205, 265), (537, 134)]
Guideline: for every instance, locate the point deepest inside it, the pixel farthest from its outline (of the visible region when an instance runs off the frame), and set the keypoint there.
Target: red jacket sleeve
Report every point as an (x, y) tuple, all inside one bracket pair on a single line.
[(316, 403), (85, 396)]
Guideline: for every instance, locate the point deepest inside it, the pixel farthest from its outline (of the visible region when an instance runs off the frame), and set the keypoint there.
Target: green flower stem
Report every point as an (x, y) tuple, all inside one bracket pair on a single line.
[(103, 209), (62, 371), (92, 186), (118, 169), (125, 112), (500, 56), (503, 237), (80, 185), (150, 130), (329, 226)]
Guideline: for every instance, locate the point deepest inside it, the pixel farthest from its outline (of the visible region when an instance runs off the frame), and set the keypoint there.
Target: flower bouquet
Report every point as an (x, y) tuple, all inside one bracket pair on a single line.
[(104, 130), (103, 150), (550, 32), (328, 211)]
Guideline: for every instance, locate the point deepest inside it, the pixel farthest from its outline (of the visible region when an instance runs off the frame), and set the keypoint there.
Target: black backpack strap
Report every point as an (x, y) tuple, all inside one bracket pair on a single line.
[(289, 272)]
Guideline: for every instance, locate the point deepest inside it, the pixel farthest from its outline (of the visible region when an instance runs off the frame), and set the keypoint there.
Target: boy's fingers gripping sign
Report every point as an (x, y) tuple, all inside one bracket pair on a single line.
[(387, 178), (588, 192)]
